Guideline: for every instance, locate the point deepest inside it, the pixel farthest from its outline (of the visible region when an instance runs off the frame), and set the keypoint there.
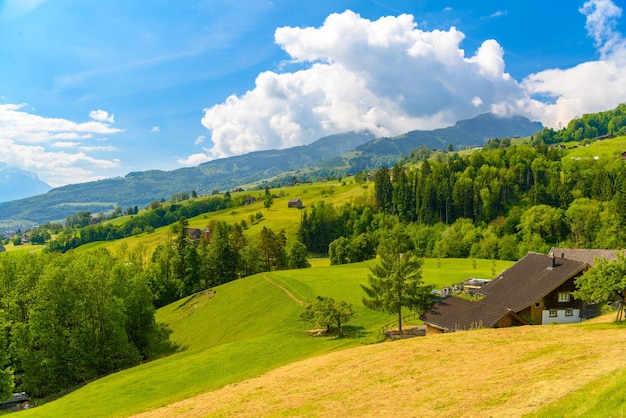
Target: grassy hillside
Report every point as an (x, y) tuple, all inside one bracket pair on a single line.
[(278, 217), (606, 150), (247, 328), (544, 371)]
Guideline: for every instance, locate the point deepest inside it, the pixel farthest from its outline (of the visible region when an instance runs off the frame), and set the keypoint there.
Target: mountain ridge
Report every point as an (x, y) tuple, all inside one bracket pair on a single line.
[(16, 183), (323, 157)]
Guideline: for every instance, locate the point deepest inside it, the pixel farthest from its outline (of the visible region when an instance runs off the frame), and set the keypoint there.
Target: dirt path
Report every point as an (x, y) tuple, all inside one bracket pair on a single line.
[(272, 282)]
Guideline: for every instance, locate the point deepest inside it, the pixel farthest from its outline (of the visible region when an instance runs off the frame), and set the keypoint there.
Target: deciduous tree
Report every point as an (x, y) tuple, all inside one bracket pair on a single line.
[(6, 374), (326, 312), (605, 282), (298, 256)]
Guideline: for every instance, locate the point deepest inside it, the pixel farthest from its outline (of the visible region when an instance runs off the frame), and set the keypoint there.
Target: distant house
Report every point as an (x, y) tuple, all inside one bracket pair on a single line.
[(294, 203), (194, 234), (624, 155), (535, 290), (248, 200)]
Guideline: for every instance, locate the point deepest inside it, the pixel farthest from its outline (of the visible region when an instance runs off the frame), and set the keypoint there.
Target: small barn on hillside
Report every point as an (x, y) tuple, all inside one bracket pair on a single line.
[(294, 203)]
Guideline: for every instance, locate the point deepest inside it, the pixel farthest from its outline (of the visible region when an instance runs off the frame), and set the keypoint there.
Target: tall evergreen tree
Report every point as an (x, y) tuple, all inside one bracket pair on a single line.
[(383, 189), (396, 282), (223, 258)]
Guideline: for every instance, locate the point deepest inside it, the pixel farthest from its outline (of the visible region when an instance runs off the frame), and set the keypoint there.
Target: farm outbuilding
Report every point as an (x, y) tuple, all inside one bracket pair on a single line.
[(294, 203)]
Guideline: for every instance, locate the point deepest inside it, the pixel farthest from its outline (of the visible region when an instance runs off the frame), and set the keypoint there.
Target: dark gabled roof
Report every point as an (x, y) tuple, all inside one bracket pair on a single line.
[(193, 231), (455, 314), (587, 256), (528, 280)]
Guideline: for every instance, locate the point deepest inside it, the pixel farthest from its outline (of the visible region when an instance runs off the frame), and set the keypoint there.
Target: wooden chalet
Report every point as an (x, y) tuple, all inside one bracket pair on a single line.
[(294, 203), (536, 290)]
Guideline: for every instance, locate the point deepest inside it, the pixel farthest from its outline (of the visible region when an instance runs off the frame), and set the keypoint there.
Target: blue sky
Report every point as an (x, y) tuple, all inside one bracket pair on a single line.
[(92, 89)]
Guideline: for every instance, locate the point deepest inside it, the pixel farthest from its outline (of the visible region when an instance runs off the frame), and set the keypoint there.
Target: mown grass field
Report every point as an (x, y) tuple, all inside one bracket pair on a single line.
[(541, 371), (24, 248), (247, 328)]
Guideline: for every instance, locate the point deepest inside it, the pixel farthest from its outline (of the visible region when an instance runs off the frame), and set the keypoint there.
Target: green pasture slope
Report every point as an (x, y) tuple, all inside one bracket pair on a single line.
[(247, 327), (278, 217), (608, 149)]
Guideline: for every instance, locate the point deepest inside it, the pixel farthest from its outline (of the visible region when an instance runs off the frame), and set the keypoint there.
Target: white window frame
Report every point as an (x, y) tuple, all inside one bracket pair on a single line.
[(569, 312), (553, 313), (564, 296)]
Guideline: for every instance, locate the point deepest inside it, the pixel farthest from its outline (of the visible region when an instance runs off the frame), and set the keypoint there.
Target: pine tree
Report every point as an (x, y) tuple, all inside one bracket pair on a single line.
[(396, 282)]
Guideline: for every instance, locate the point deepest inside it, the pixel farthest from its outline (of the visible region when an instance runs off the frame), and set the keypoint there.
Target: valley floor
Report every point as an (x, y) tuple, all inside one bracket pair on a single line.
[(493, 372)]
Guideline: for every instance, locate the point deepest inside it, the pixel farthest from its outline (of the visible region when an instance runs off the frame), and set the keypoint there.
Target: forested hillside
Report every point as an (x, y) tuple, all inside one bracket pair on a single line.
[(323, 158), (466, 133)]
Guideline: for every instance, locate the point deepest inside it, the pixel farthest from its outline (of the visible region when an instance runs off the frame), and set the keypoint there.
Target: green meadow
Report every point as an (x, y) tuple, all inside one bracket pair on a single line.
[(278, 217), (242, 330)]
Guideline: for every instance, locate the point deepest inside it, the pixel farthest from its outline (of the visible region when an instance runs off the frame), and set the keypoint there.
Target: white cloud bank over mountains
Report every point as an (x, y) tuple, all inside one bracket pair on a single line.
[(41, 144), (388, 76)]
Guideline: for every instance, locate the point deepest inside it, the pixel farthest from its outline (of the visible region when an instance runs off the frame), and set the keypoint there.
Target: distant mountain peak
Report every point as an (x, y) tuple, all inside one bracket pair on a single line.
[(16, 183)]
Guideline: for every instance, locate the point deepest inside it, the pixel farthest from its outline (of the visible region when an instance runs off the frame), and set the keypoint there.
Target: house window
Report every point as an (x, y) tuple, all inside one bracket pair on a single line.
[(569, 312), (563, 296), (552, 313)]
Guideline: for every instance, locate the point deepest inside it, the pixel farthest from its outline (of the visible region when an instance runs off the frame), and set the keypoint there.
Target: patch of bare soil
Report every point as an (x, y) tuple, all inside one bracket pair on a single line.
[(194, 302), (484, 373)]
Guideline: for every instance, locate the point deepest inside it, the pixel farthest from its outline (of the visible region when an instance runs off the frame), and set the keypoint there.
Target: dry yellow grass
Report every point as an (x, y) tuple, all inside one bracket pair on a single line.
[(484, 373)]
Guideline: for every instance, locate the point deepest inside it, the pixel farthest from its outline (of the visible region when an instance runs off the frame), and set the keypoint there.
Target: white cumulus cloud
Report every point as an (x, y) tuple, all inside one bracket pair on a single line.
[(52, 146), (590, 86), (386, 76), (194, 160), (102, 116)]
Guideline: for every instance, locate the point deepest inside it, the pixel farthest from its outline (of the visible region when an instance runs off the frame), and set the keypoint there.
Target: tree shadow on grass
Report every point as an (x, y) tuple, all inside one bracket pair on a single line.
[(163, 346), (350, 331)]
